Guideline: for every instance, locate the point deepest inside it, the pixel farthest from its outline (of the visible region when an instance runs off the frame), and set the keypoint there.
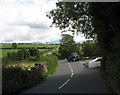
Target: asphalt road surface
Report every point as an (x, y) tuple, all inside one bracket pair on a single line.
[(72, 77)]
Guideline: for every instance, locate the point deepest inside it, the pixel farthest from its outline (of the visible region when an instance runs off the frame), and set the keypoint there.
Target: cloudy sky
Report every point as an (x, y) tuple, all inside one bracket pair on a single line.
[(26, 21)]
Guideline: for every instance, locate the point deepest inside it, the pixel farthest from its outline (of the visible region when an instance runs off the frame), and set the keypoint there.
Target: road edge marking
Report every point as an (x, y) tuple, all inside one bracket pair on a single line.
[(49, 76), (64, 84), (69, 78)]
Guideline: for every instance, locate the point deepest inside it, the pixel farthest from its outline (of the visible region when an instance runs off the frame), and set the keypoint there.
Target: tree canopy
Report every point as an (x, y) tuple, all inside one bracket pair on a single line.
[(67, 46), (98, 20), (72, 16), (14, 45)]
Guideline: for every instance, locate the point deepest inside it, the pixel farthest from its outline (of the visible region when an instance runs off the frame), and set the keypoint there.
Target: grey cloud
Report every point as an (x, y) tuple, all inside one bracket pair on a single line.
[(8, 40), (37, 25), (33, 25)]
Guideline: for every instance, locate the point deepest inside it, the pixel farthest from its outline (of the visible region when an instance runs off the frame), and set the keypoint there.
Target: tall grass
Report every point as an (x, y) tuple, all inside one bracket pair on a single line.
[(51, 64), (16, 78)]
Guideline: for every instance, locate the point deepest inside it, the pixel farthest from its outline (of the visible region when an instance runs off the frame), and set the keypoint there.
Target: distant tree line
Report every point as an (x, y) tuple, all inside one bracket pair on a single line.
[(18, 46)]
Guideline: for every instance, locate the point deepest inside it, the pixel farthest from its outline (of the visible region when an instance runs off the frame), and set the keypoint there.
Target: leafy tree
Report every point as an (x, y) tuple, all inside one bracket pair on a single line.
[(34, 52), (14, 45), (13, 56), (72, 16), (98, 20), (67, 46), (23, 54), (20, 55), (9, 55), (91, 49), (102, 25)]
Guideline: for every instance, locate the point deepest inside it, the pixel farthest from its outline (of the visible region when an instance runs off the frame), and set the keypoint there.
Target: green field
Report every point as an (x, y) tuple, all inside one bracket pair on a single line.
[(3, 52), (28, 45)]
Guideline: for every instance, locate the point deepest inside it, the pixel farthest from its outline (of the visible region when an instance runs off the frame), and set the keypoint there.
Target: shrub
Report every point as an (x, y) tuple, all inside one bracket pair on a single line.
[(24, 54), (14, 45), (16, 79), (34, 51), (34, 59)]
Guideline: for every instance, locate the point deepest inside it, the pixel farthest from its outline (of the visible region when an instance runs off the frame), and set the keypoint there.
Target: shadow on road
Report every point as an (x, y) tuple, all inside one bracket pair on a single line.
[(86, 81)]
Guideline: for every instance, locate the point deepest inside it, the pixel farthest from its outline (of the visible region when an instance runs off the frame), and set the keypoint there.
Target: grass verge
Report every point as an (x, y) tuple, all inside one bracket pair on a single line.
[(17, 79)]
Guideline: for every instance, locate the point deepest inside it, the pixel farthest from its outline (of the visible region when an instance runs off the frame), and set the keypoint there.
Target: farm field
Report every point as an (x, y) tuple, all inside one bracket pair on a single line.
[(3, 52), (28, 45)]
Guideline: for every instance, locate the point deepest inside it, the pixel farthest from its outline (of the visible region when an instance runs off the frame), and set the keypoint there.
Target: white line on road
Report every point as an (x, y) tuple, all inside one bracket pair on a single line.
[(68, 79), (49, 76), (70, 67), (72, 75), (64, 84)]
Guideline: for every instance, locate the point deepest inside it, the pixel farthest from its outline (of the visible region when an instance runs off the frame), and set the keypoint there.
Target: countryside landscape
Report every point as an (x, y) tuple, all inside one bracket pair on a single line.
[(14, 65), (19, 58), (68, 47)]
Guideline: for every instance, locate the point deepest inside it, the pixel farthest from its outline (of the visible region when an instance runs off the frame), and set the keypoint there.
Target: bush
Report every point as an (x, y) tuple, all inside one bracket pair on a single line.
[(14, 45), (15, 79), (24, 54), (34, 52), (113, 71), (33, 59)]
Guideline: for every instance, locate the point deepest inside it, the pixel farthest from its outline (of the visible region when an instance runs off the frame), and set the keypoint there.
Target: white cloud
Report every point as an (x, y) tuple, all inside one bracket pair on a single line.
[(26, 21)]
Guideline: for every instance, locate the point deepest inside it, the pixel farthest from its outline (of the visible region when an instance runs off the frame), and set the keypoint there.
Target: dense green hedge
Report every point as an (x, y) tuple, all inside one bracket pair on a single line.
[(15, 79), (112, 70)]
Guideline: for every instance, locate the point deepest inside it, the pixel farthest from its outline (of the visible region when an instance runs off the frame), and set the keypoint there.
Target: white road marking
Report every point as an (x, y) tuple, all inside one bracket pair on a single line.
[(49, 76), (70, 67), (72, 75), (68, 79), (64, 84)]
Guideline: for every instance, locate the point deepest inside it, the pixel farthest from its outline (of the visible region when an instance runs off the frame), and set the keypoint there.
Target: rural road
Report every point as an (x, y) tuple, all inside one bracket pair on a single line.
[(72, 77)]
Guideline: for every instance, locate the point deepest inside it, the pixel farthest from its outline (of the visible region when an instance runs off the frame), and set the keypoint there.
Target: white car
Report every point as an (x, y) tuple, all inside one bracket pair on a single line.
[(93, 63)]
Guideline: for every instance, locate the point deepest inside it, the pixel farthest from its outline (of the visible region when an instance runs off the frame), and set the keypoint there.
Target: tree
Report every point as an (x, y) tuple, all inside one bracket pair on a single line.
[(98, 20), (91, 49), (23, 54), (14, 45), (102, 25), (67, 46), (34, 52), (72, 16)]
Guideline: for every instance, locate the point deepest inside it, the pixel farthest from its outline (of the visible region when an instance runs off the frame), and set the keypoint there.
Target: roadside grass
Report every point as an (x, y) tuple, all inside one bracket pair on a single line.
[(22, 64), (52, 62), (16, 78)]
